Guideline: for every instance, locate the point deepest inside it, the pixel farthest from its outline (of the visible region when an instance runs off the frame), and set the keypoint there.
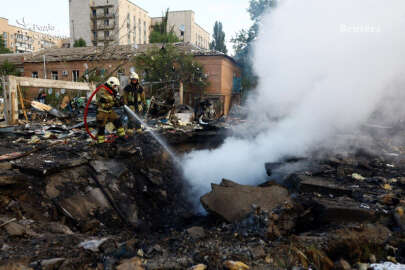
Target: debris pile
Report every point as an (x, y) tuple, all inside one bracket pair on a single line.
[(66, 203)]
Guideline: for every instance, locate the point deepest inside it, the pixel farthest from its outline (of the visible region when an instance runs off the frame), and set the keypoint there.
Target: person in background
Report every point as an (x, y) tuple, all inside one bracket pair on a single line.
[(41, 96), (134, 98)]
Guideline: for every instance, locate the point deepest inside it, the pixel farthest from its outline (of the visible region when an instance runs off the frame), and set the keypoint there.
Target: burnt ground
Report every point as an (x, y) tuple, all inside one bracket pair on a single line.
[(132, 197)]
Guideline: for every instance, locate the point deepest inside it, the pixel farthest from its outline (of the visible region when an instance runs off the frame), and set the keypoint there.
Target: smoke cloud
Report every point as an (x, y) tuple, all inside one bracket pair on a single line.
[(324, 67)]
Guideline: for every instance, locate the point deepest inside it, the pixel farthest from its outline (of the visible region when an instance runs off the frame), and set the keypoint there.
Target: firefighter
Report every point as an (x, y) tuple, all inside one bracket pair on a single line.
[(134, 98), (106, 100)]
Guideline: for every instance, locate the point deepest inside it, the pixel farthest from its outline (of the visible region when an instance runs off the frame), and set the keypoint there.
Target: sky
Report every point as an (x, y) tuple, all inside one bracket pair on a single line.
[(232, 13)]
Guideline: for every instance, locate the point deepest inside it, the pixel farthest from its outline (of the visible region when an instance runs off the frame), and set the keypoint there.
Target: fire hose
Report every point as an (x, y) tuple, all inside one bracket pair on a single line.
[(86, 109)]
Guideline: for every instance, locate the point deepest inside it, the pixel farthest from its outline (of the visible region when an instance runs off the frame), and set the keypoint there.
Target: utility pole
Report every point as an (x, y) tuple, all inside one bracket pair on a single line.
[(44, 66), (181, 93), (73, 32)]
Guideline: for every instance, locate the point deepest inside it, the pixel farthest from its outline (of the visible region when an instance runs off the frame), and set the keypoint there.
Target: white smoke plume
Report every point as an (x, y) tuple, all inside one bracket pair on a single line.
[(324, 67)]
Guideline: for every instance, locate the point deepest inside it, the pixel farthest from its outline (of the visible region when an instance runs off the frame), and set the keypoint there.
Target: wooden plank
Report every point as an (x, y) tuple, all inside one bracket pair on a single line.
[(22, 102), (181, 93), (5, 98), (14, 110), (17, 155), (13, 101), (33, 82)]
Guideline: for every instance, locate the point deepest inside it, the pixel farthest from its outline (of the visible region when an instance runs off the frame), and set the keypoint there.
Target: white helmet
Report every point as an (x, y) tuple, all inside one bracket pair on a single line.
[(134, 76), (113, 82)]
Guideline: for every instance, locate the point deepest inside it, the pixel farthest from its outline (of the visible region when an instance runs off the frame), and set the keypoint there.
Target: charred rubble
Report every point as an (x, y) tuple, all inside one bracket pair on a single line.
[(68, 204)]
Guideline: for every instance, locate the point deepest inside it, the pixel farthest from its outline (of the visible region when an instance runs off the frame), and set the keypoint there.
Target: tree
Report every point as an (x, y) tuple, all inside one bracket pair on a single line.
[(218, 42), (167, 66), (242, 42), (160, 32), (80, 43), (3, 48), (257, 8), (7, 68)]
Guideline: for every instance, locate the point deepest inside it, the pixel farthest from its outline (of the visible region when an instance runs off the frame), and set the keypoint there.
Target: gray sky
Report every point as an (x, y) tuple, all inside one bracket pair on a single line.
[(232, 13)]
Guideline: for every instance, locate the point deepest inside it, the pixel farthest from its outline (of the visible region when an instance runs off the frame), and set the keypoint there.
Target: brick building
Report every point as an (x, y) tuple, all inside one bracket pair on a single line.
[(224, 77), (71, 64)]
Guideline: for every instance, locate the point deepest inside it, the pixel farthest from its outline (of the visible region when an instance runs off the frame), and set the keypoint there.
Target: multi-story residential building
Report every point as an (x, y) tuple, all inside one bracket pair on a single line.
[(20, 40), (184, 25), (121, 22), (114, 22)]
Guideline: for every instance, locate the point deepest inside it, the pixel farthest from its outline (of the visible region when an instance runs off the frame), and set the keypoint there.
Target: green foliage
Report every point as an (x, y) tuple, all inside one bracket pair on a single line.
[(7, 68), (3, 48), (80, 43), (218, 42), (242, 42), (258, 7), (94, 75), (243, 46), (156, 37), (160, 33), (169, 65)]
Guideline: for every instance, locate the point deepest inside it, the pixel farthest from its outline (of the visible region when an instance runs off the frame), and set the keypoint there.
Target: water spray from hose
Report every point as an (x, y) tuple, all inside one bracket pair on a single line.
[(135, 117)]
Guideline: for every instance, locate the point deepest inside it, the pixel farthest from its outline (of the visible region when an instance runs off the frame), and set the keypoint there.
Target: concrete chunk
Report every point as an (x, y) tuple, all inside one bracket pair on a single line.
[(233, 202), (322, 185)]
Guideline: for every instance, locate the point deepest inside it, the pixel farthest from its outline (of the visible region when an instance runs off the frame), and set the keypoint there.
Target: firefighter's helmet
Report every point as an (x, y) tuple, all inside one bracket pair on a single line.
[(113, 82), (134, 76)]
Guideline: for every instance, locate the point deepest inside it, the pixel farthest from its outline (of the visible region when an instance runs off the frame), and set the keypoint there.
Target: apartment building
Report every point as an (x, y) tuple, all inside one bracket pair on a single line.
[(184, 25), (121, 22), (108, 22), (21, 40)]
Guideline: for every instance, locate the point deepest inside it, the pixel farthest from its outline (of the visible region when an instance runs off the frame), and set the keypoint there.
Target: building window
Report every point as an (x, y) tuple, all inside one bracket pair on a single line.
[(107, 22), (94, 12), (140, 31), (95, 34), (54, 75), (106, 11), (75, 75), (5, 39), (106, 33), (35, 74)]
